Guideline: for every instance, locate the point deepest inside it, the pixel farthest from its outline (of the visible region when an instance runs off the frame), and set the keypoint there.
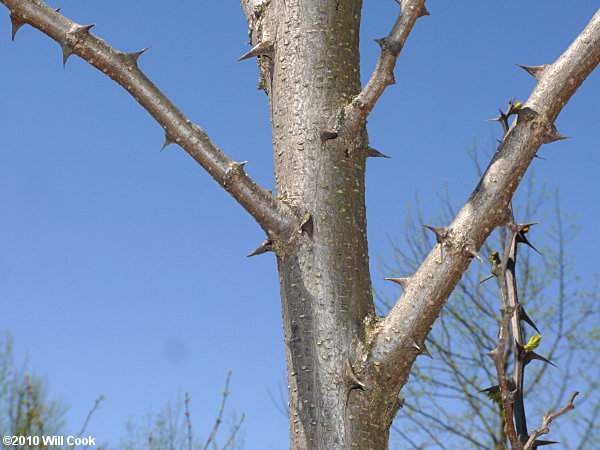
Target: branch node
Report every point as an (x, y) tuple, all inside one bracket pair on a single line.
[(234, 169)]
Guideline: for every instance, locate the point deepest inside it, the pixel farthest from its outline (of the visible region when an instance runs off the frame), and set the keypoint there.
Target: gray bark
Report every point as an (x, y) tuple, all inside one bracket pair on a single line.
[(346, 366)]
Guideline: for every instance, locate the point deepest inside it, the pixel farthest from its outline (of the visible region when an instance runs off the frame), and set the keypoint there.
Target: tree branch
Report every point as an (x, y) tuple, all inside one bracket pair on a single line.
[(417, 309), (548, 418), (383, 75), (276, 218)]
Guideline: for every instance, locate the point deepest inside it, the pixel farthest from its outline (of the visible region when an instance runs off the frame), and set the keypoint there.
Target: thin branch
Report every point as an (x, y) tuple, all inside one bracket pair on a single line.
[(220, 415), (419, 306), (383, 75), (234, 430), (89, 416), (276, 218), (188, 420), (547, 420)]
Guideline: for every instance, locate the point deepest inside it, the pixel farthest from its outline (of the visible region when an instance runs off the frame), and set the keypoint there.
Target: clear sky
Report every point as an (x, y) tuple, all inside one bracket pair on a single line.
[(122, 269)]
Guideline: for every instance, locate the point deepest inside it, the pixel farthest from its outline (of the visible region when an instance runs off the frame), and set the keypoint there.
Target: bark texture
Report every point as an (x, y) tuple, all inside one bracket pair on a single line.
[(310, 76)]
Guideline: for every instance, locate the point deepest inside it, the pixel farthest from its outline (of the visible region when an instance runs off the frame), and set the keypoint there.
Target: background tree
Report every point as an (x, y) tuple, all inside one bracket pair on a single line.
[(345, 364), (25, 407)]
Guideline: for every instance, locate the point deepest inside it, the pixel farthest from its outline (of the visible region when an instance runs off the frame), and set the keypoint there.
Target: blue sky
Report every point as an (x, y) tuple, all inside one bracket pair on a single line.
[(122, 269)]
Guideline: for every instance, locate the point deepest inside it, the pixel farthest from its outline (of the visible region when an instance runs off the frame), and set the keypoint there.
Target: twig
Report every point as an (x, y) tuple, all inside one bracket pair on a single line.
[(220, 415), (188, 419), (547, 420), (234, 430), (89, 416)]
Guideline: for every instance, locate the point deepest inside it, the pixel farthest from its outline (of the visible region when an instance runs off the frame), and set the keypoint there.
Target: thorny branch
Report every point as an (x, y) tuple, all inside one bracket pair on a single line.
[(504, 270), (276, 218), (488, 207), (383, 75)]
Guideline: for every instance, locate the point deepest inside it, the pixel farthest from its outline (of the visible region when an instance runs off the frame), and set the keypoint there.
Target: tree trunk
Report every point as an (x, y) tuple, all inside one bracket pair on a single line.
[(310, 75)]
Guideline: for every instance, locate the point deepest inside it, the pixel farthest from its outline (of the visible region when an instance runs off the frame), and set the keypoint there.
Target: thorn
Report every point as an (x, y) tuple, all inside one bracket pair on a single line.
[(265, 48), (533, 355), (525, 318), (403, 282), (16, 24), (540, 442), (67, 51), (528, 355), (327, 134), (168, 140), (351, 376), (307, 225), (57, 9), (540, 157), (423, 12), (266, 246), (371, 152), (494, 389), (521, 239), (383, 43), (440, 233), (552, 135), (485, 279), (84, 28), (420, 347), (470, 250), (536, 71), (491, 389), (135, 55), (524, 227), (390, 79)]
